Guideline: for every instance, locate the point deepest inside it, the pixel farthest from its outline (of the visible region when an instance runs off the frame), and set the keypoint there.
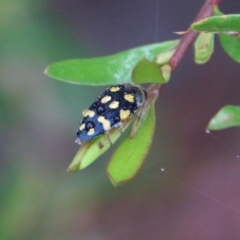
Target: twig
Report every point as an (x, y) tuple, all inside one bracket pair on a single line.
[(189, 37)]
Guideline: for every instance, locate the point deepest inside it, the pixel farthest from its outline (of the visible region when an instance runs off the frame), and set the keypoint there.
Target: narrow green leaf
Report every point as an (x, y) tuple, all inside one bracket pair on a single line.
[(203, 47), (76, 162), (91, 150), (106, 70), (147, 71), (131, 154), (224, 23), (228, 116)]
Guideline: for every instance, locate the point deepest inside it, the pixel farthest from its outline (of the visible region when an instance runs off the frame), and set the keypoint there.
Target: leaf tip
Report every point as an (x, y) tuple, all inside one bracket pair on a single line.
[(45, 71), (114, 183), (207, 130), (117, 182), (181, 32), (72, 168)]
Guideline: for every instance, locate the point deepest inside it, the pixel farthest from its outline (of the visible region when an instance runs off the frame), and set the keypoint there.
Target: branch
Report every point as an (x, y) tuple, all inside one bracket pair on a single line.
[(184, 44), (189, 37)]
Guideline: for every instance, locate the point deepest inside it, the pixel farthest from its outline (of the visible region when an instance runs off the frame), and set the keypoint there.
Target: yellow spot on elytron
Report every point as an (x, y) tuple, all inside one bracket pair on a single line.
[(114, 89), (88, 112), (91, 131), (106, 99), (105, 123), (82, 127), (114, 105), (124, 114), (129, 98)]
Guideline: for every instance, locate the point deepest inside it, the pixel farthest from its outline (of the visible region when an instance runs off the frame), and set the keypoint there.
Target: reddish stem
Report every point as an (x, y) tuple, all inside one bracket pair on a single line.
[(188, 38), (184, 44)]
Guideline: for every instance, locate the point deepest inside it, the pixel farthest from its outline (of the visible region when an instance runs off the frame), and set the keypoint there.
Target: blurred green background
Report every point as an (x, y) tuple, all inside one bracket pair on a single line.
[(39, 116)]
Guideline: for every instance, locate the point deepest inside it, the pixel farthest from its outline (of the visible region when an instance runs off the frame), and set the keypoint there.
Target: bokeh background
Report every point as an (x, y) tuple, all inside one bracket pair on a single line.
[(197, 197)]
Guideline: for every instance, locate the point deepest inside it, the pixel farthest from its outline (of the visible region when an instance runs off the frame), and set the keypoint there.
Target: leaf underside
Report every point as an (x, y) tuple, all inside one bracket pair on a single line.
[(204, 46)]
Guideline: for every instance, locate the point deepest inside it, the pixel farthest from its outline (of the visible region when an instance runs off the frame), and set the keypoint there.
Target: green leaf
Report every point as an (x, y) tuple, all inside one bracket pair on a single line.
[(91, 150), (228, 116), (224, 23), (164, 57), (147, 71), (203, 47), (217, 12), (129, 157), (166, 72), (231, 45), (106, 70)]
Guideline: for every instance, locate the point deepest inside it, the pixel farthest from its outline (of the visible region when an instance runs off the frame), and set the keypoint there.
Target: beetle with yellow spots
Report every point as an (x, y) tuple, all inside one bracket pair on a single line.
[(110, 110)]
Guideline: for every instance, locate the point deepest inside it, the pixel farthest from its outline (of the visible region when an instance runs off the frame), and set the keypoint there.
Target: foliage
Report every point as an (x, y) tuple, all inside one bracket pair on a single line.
[(226, 117), (147, 64)]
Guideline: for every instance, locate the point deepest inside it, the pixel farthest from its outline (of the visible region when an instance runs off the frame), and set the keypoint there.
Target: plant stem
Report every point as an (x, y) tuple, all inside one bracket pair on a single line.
[(189, 37), (185, 43)]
